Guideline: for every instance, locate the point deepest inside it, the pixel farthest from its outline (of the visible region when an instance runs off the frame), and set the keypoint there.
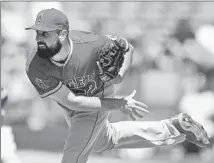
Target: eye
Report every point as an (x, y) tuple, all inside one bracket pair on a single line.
[(45, 34)]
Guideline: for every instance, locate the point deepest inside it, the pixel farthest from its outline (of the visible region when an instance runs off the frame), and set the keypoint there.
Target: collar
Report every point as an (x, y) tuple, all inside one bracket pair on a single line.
[(68, 57)]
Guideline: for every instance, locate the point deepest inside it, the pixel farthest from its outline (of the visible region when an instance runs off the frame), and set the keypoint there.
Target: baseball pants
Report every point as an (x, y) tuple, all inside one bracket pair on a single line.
[(91, 132)]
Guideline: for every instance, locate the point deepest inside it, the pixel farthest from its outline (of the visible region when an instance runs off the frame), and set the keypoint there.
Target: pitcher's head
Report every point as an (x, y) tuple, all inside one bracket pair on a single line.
[(52, 28)]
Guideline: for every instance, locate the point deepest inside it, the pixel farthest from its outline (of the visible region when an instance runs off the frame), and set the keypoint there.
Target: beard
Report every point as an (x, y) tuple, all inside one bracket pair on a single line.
[(48, 52)]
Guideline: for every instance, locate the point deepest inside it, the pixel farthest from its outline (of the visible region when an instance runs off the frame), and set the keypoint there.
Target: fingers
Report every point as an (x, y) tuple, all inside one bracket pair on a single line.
[(138, 103), (136, 108), (140, 110), (133, 114), (132, 94), (142, 105), (132, 117), (139, 115)]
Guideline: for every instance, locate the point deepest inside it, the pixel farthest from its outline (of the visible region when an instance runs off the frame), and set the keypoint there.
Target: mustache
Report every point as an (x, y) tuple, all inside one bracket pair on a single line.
[(42, 43)]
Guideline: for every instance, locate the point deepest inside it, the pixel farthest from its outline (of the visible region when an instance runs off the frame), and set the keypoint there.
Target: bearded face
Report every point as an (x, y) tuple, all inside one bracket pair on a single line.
[(46, 51)]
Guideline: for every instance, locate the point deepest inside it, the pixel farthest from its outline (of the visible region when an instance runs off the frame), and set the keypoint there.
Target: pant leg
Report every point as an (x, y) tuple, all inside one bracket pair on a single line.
[(137, 134), (83, 131), (105, 140), (140, 134)]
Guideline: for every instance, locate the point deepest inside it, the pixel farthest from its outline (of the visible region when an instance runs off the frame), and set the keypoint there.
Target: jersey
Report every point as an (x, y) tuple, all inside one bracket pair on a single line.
[(79, 72)]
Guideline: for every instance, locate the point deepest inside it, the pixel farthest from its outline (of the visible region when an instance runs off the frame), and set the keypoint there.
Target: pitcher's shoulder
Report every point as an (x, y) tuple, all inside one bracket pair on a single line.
[(83, 36), (34, 62), (30, 59)]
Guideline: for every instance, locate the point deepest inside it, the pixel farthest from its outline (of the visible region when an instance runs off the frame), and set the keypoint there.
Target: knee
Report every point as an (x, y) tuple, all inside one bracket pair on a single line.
[(164, 132), (110, 139)]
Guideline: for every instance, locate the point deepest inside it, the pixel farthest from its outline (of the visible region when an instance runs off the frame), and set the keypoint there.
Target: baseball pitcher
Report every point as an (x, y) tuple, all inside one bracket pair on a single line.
[(78, 70)]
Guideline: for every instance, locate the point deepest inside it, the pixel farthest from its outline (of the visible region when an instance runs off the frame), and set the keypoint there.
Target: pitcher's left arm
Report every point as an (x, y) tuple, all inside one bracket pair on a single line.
[(115, 58), (126, 64)]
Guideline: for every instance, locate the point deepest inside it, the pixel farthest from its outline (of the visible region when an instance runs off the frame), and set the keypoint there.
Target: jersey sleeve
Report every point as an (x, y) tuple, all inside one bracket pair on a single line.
[(44, 84)]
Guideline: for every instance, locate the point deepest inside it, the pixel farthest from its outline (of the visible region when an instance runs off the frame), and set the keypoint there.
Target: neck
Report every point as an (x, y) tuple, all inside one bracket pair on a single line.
[(64, 52)]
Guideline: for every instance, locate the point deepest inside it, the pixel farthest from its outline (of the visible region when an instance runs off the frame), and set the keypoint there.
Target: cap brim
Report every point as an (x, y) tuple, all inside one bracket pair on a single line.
[(40, 28)]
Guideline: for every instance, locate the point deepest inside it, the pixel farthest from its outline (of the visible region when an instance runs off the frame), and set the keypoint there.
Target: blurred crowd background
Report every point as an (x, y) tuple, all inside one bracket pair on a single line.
[(172, 70)]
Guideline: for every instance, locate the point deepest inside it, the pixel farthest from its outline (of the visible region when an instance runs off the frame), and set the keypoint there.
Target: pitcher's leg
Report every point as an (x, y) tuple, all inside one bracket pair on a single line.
[(145, 134), (84, 129), (105, 140), (137, 134)]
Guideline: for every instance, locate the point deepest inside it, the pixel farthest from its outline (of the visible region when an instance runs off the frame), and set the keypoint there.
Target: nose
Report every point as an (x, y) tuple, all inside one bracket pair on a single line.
[(39, 38)]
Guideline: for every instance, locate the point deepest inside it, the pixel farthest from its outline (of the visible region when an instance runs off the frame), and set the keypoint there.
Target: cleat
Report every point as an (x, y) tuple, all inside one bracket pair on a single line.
[(195, 133)]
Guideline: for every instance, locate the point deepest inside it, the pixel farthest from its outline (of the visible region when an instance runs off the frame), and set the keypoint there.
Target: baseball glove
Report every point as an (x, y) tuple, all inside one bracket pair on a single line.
[(111, 58)]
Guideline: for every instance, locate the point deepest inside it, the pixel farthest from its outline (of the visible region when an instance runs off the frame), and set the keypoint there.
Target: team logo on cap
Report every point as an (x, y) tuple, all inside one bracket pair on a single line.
[(39, 19)]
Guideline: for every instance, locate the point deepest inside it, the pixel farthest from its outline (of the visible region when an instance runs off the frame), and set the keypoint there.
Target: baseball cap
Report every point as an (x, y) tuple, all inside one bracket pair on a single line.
[(50, 20)]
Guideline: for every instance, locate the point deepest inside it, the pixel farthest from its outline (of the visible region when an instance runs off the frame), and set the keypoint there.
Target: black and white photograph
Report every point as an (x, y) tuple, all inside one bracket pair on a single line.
[(107, 81)]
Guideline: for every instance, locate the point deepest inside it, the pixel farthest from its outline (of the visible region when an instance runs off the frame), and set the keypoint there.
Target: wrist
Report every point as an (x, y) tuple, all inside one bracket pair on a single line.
[(113, 104)]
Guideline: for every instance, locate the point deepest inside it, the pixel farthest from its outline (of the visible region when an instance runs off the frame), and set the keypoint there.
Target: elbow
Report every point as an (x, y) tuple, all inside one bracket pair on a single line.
[(78, 103), (71, 97), (73, 100)]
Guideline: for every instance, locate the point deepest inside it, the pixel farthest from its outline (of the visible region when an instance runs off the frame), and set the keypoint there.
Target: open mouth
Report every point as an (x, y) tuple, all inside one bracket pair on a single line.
[(42, 46)]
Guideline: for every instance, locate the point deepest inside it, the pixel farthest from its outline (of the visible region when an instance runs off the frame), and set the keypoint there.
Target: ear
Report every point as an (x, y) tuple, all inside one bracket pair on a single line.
[(62, 35)]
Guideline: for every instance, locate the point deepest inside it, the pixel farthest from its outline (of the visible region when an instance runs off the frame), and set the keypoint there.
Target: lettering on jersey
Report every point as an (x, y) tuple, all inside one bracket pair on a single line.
[(71, 83), (92, 88), (82, 85), (43, 83), (80, 82)]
